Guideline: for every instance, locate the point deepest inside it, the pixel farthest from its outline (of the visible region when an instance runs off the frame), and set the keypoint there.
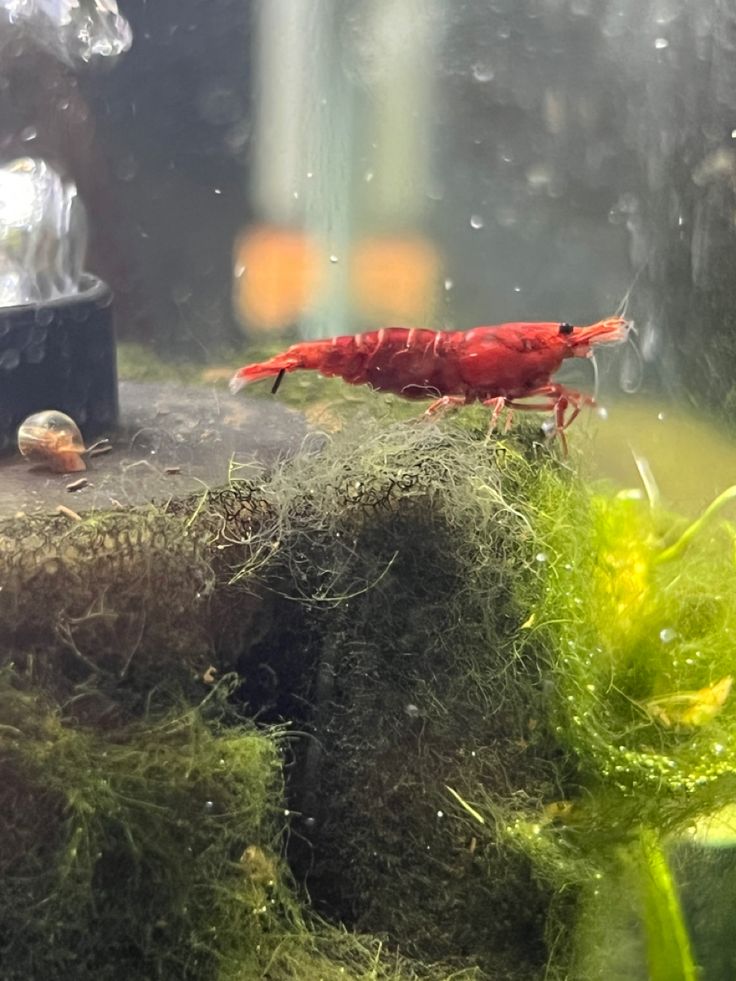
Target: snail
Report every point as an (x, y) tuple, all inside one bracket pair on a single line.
[(52, 439)]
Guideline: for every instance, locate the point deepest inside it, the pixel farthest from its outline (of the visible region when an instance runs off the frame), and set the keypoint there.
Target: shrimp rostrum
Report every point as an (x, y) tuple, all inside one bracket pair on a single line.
[(499, 366)]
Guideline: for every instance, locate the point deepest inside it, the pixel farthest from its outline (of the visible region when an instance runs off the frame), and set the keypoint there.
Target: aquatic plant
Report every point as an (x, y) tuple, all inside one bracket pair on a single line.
[(638, 618)]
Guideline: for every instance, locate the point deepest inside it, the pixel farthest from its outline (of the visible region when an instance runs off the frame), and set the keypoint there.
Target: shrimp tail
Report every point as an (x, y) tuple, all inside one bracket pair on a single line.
[(308, 355), (265, 369)]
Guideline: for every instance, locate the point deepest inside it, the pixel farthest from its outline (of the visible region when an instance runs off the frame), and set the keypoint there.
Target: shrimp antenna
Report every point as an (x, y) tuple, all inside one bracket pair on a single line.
[(593, 361), (277, 382), (624, 304), (647, 479), (632, 367)]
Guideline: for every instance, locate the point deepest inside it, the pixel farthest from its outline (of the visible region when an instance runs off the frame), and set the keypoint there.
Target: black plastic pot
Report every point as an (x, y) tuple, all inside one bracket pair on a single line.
[(60, 355)]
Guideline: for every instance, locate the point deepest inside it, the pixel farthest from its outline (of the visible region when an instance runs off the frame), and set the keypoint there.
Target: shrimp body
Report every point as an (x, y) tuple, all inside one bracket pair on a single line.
[(494, 365)]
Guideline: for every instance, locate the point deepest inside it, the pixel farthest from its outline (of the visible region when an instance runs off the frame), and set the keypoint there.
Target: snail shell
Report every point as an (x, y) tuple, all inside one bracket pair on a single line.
[(52, 439)]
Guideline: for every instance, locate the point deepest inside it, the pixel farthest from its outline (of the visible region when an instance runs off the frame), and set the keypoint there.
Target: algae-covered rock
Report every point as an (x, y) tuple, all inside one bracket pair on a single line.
[(369, 596), (410, 558), (463, 696)]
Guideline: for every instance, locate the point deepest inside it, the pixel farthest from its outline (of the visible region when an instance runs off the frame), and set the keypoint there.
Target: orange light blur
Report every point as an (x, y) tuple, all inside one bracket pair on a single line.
[(277, 277), (394, 279)]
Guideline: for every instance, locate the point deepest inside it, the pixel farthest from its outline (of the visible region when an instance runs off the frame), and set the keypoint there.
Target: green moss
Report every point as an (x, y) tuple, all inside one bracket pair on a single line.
[(128, 853), (153, 851), (389, 562), (139, 362), (429, 607), (637, 614)]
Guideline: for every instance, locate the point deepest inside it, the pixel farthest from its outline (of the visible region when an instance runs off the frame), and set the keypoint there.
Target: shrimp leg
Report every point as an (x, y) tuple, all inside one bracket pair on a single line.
[(441, 405)]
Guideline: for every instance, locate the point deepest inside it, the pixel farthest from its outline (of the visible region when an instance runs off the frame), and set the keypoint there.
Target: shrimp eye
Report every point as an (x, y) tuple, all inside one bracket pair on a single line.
[(566, 328)]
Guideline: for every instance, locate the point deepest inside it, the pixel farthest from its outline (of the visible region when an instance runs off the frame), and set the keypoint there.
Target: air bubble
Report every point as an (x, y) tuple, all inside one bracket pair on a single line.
[(660, 43), (482, 73), (667, 635), (476, 222), (412, 711)]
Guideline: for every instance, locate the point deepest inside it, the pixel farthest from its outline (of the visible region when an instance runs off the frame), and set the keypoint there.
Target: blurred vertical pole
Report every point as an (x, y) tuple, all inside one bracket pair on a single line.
[(287, 34), (396, 266), (329, 202), (309, 265), (402, 33), (290, 269)]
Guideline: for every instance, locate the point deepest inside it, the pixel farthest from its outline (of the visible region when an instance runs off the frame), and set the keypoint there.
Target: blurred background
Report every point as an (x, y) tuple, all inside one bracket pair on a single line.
[(291, 168)]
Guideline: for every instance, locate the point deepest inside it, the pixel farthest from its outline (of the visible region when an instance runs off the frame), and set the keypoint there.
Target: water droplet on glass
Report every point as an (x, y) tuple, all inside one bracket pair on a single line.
[(126, 168), (661, 416), (667, 635), (43, 316), (10, 359), (482, 73), (476, 221), (580, 8), (602, 412), (660, 43), (368, 176), (181, 293), (506, 217), (35, 353), (333, 258), (449, 284), (517, 289), (28, 134)]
